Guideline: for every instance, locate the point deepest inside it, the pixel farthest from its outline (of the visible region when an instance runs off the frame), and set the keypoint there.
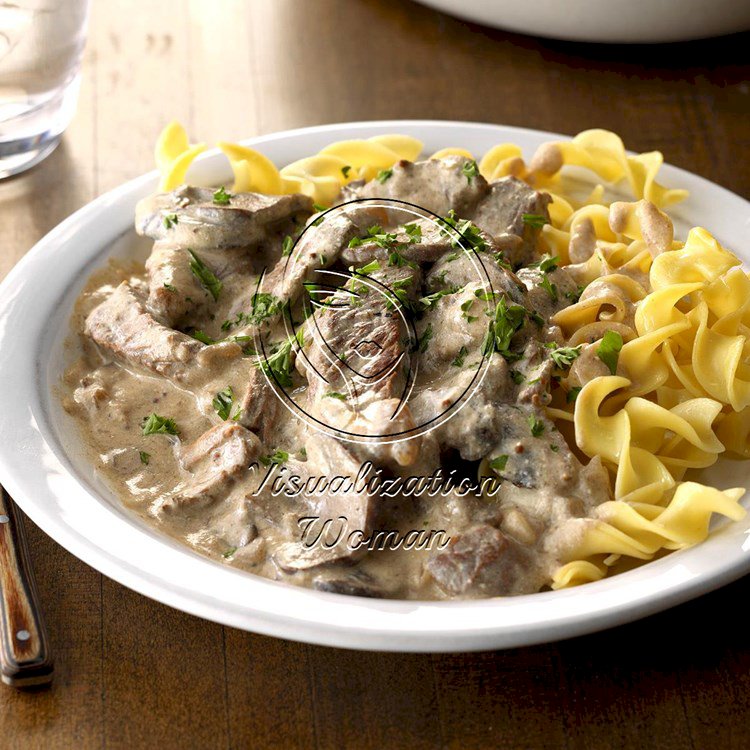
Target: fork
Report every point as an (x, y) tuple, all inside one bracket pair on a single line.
[(25, 659)]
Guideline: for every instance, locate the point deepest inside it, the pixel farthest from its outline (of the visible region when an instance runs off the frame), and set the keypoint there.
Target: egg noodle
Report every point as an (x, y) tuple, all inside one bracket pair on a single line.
[(661, 383)]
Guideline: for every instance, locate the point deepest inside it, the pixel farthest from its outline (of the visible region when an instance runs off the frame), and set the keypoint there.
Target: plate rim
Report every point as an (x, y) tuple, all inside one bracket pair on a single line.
[(332, 632)]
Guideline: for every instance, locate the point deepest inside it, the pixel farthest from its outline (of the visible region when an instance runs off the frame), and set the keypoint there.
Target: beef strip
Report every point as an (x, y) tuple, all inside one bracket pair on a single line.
[(123, 328), (174, 290), (438, 185), (216, 460), (432, 241), (501, 213), (482, 562), (330, 458), (201, 224)]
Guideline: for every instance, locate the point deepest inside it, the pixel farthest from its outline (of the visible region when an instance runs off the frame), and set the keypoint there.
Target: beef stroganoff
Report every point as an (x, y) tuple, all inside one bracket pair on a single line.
[(379, 373)]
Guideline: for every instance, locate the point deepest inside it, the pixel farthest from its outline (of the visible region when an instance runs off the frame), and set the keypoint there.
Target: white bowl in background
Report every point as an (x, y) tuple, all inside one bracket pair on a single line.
[(612, 21)]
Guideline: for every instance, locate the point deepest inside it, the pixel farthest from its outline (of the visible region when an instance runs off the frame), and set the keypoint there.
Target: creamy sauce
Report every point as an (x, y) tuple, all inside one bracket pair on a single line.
[(209, 486)]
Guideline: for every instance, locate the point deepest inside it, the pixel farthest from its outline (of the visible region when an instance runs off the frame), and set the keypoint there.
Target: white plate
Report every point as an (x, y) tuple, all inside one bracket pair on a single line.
[(42, 467), (635, 21)]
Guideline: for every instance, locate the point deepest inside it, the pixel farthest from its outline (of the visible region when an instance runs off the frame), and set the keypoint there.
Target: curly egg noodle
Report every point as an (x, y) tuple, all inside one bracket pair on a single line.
[(678, 395)]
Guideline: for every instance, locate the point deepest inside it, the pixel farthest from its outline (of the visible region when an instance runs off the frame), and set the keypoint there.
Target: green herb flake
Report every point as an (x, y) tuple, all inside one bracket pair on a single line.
[(383, 175), (414, 232), (226, 555), (572, 394), (277, 457), (549, 287), (554, 448), (335, 394), (431, 299), (205, 275), (498, 464), (367, 269), (170, 220), (345, 171), (517, 377), (470, 170), (286, 246), (399, 261), (460, 357), (609, 350), (424, 339), (264, 306), (564, 356), (537, 221), (536, 425), (574, 295), (145, 457), (153, 424), (222, 197), (507, 319), (170, 287), (223, 402), (203, 338)]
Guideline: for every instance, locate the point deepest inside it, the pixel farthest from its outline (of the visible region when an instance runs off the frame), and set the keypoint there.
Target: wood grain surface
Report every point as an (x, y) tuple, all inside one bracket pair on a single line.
[(132, 673)]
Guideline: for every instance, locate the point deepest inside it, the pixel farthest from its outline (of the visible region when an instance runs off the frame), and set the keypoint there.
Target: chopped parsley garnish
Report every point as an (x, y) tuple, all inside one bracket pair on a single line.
[(470, 169), (203, 338), (517, 377), (536, 425), (170, 220), (170, 287), (498, 464), (223, 402), (466, 305), (226, 555), (396, 259), (460, 357), (414, 232), (536, 317), (145, 457), (319, 207), (286, 246), (205, 275), (367, 269), (469, 233), (507, 319), (424, 339), (345, 171), (535, 220), (575, 294), (279, 364), (156, 425), (565, 355), (222, 197), (264, 305), (383, 175), (572, 394), (335, 394), (547, 264), (431, 299), (554, 448), (386, 240), (277, 457), (549, 287), (609, 350)]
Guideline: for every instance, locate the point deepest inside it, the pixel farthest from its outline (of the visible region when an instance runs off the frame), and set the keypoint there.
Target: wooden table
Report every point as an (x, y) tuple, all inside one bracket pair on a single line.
[(133, 673)]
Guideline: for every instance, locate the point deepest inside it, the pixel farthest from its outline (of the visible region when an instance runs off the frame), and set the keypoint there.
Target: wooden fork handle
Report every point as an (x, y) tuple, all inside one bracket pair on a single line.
[(25, 659)]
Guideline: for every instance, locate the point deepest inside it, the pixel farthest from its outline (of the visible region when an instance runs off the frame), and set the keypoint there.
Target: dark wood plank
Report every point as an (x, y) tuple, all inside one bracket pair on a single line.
[(268, 692), (374, 700)]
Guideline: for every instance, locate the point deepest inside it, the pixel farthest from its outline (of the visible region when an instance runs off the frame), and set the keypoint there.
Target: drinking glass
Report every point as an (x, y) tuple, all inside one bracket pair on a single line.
[(41, 43)]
